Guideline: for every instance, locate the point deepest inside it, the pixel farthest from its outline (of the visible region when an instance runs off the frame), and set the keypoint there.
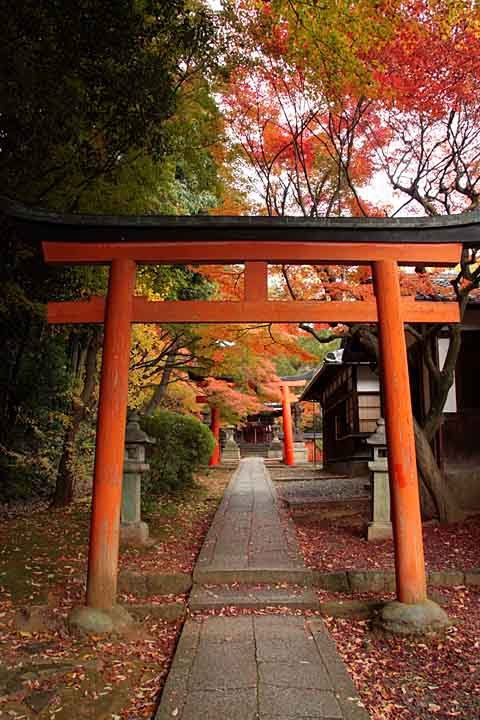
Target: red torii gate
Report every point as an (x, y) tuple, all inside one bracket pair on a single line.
[(288, 449), (122, 243)]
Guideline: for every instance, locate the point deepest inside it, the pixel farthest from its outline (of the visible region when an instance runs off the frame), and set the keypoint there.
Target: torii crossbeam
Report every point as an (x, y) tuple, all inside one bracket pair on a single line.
[(123, 243)]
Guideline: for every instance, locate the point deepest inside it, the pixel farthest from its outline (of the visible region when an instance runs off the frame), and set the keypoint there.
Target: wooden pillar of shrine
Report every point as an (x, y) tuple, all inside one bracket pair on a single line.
[(215, 428), (407, 525), (288, 452), (110, 445)]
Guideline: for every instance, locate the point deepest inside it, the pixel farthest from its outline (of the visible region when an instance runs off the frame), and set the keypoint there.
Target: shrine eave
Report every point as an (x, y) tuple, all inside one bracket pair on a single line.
[(46, 225)]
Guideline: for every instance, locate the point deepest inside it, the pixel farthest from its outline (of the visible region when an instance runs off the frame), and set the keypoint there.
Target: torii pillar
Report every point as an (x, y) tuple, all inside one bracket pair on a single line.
[(110, 444), (215, 428), (288, 451), (412, 612), (407, 524)]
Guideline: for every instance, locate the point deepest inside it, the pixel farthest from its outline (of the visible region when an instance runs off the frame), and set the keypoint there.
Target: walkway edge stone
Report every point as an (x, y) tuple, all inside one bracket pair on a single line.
[(175, 691), (345, 690), (253, 575)]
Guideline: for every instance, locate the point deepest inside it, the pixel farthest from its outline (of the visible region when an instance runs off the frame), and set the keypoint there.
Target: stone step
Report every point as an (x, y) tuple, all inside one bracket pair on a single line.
[(253, 597), (228, 576)]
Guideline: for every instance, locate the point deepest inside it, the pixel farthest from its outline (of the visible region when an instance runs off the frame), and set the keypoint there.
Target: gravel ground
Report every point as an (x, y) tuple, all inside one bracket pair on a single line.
[(312, 491)]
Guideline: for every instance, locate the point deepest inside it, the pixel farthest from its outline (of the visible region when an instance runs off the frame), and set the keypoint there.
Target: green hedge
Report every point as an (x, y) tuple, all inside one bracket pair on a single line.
[(183, 444)]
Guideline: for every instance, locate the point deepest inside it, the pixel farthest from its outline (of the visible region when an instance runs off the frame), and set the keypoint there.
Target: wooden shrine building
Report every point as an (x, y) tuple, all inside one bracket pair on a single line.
[(347, 387), (122, 243)]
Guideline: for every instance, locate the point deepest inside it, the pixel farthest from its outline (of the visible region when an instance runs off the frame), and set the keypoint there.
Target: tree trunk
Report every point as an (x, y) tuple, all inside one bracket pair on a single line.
[(66, 478), (436, 498), (161, 388), (65, 484)]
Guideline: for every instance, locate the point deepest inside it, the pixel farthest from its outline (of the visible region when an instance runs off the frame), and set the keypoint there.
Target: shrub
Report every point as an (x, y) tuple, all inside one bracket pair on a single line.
[(183, 444)]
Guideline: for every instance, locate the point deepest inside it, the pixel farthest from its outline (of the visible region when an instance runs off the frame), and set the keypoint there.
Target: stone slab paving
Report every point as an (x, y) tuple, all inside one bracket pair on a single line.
[(268, 667), (247, 541), (255, 667)]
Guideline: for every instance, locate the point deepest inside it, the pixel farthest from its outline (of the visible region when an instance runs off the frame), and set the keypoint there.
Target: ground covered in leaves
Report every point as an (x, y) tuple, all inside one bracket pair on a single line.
[(50, 674), (336, 540), (417, 678)]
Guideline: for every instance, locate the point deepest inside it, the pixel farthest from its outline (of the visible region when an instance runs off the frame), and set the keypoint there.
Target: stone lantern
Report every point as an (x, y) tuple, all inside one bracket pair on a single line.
[(132, 529), (231, 451), (275, 449), (380, 527)]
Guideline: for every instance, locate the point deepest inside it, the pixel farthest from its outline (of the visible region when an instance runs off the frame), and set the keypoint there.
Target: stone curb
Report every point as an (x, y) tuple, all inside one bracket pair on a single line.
[(345, 691), (355, 581), (175, 690), (147, 584), (351, 609), (344, 581), (170, 612)]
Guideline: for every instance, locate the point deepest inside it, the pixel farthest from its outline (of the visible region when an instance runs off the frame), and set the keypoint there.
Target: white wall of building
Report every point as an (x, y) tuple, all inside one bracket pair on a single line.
[(367, 381), (451, 403)]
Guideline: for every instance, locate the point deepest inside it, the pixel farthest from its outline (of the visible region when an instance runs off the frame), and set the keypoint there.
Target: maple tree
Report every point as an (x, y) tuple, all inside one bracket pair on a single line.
[(232, 366), (325, 104), (308, 156)]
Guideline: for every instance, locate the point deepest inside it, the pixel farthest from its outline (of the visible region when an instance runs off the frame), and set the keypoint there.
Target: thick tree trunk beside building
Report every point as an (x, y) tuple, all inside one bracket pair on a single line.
[(437, 500)]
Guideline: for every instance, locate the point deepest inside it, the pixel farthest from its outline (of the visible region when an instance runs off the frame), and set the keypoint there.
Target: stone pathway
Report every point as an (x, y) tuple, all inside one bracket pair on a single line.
[(255, 667), (268, 667), (247, 541)]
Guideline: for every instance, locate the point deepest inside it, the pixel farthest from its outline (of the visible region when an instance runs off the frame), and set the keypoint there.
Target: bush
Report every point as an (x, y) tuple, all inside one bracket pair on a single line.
[(183, 444)]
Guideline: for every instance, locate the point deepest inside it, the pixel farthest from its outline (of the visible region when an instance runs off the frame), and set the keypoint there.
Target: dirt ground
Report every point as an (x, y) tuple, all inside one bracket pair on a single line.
[(50, 674), (47, 673)]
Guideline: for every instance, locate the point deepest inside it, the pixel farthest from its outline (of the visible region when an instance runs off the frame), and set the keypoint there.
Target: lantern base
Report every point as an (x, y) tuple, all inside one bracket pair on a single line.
[(378, 531), (134, 533)]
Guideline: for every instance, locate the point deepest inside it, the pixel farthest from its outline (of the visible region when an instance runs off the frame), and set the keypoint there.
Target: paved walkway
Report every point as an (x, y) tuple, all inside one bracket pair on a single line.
[(255, 667), (247, 542)]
